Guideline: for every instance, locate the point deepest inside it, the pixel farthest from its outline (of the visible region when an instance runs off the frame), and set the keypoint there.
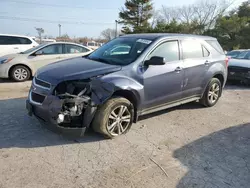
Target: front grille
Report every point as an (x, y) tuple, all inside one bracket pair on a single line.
[(41, 83), (37, 97), (238, 69)]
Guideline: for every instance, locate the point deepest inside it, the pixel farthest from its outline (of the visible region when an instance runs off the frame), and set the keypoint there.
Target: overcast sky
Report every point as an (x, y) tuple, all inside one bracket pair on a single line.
[(22, 16)]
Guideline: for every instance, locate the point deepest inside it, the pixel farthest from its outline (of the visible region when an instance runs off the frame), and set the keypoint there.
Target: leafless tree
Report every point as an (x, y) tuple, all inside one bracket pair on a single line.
[(204, 13), (167, 14), (109, 34)]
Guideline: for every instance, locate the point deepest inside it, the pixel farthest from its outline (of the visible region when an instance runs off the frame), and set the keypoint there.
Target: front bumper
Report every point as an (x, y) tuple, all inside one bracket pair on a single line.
[(47, 114), (234, 76), (4, 70)]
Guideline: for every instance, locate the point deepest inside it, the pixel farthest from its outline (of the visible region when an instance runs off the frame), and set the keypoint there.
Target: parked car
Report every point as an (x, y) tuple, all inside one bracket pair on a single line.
[(41, 41), (10, 44), (108, 91), (22, 66), (93, 45), (239, 68)]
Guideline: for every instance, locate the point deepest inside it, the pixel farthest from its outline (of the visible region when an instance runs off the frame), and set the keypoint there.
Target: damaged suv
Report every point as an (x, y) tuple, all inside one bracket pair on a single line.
[(127, 77)]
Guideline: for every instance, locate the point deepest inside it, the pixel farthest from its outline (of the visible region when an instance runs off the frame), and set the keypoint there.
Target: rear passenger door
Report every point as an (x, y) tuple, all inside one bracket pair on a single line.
[(196, 60)]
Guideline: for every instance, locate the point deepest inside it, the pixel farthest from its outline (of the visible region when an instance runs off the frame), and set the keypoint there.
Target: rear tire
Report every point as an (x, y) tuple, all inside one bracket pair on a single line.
[(114, 117), (212, 93), (20, 73)]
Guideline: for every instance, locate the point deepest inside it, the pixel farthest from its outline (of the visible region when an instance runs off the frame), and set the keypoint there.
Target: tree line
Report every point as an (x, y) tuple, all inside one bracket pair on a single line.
[(207, 17)]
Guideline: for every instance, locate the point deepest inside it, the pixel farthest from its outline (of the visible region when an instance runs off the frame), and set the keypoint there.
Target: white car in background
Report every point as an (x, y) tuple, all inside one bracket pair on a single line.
[(10, 44), (22, 66)]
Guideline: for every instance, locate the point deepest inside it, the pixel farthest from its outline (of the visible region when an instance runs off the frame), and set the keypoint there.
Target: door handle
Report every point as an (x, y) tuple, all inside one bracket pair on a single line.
[(178, 69), (16, 48), (207, 62)]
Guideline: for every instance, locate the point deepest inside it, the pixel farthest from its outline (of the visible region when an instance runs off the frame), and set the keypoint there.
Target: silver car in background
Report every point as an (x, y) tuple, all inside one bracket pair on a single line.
[(22, 66)]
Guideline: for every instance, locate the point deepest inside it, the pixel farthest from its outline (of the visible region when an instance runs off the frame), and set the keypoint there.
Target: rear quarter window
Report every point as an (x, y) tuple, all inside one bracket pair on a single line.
[(215, 45)]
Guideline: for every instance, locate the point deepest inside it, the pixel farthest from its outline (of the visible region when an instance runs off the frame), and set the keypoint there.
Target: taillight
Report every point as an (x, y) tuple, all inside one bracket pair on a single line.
[(226, 61)]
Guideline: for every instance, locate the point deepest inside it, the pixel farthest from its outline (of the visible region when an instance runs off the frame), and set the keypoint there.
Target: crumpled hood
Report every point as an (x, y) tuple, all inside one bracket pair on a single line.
[(239, 63), (73, 69)]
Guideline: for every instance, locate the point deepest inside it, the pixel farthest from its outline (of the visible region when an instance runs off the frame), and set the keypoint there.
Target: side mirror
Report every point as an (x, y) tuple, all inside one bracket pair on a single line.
[(155, 60), (39, 52)]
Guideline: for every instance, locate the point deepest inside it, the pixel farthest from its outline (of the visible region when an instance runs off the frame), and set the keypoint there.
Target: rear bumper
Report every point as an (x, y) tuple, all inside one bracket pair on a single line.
[(47, 117)]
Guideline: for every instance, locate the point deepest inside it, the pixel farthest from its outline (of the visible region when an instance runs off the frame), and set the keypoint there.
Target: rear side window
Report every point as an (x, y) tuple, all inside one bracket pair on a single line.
[(191, 49), (24, 40), (9, 40), (216, 46), (71, 49), (169, 50)]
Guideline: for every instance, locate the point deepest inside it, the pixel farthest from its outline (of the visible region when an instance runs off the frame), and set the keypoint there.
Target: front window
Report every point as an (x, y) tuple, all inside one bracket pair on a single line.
[(120, 51), (52, 49), (33, 49), (168, 50)]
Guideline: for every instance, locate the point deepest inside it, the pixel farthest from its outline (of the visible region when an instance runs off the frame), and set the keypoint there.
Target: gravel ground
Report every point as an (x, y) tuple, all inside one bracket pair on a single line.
[(187, 146)]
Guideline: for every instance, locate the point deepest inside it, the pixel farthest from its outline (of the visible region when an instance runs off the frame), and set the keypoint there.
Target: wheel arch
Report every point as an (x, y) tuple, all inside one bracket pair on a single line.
[(20, 64), (131, 96), (219, 76)]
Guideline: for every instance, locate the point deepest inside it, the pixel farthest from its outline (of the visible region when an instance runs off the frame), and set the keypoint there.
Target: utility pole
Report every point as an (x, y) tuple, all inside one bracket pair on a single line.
[(40, 31), (59, 25), (116, 28)]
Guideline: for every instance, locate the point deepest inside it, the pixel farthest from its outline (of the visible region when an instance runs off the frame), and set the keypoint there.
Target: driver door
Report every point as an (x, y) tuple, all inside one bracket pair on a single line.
[(163, 83), (49, 54)]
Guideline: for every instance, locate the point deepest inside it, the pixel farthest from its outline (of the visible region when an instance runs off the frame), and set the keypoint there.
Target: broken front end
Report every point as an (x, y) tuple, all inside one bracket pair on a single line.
[(69, 107)]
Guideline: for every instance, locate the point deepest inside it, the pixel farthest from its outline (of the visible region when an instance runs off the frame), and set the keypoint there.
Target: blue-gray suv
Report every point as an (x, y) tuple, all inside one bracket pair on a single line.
[(127, 77)]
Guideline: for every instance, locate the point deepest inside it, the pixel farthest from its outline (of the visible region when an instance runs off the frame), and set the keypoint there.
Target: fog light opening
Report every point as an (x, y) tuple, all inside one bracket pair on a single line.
[(60, 118)]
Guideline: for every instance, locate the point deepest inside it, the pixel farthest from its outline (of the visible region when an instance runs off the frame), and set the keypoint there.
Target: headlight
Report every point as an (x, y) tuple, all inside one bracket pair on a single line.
[(5, 60)]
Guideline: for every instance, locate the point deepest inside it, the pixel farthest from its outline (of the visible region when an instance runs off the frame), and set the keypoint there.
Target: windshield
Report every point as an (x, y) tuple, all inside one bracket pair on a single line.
[(33, 49), (120, 51), (233, 53), (243, 55)]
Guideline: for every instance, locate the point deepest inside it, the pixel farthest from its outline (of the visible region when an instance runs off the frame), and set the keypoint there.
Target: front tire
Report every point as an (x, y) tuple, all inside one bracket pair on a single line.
[(20, 73), (114, 117), (212, 93)]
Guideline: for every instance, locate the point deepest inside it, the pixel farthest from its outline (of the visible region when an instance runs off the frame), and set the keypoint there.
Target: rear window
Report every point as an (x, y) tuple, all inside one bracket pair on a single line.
[(11, 40), (216, 46)]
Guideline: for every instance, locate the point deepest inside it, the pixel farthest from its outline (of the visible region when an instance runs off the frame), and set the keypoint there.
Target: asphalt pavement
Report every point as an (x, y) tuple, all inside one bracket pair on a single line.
[(186, 146)]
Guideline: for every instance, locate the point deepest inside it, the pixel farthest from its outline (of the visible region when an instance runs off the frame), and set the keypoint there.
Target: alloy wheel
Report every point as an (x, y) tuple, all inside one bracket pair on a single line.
[(214, 93), (119, 120), (20, 74)]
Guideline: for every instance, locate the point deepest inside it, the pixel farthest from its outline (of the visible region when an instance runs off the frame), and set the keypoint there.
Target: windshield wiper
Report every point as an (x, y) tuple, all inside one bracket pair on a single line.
[(100, 60)]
